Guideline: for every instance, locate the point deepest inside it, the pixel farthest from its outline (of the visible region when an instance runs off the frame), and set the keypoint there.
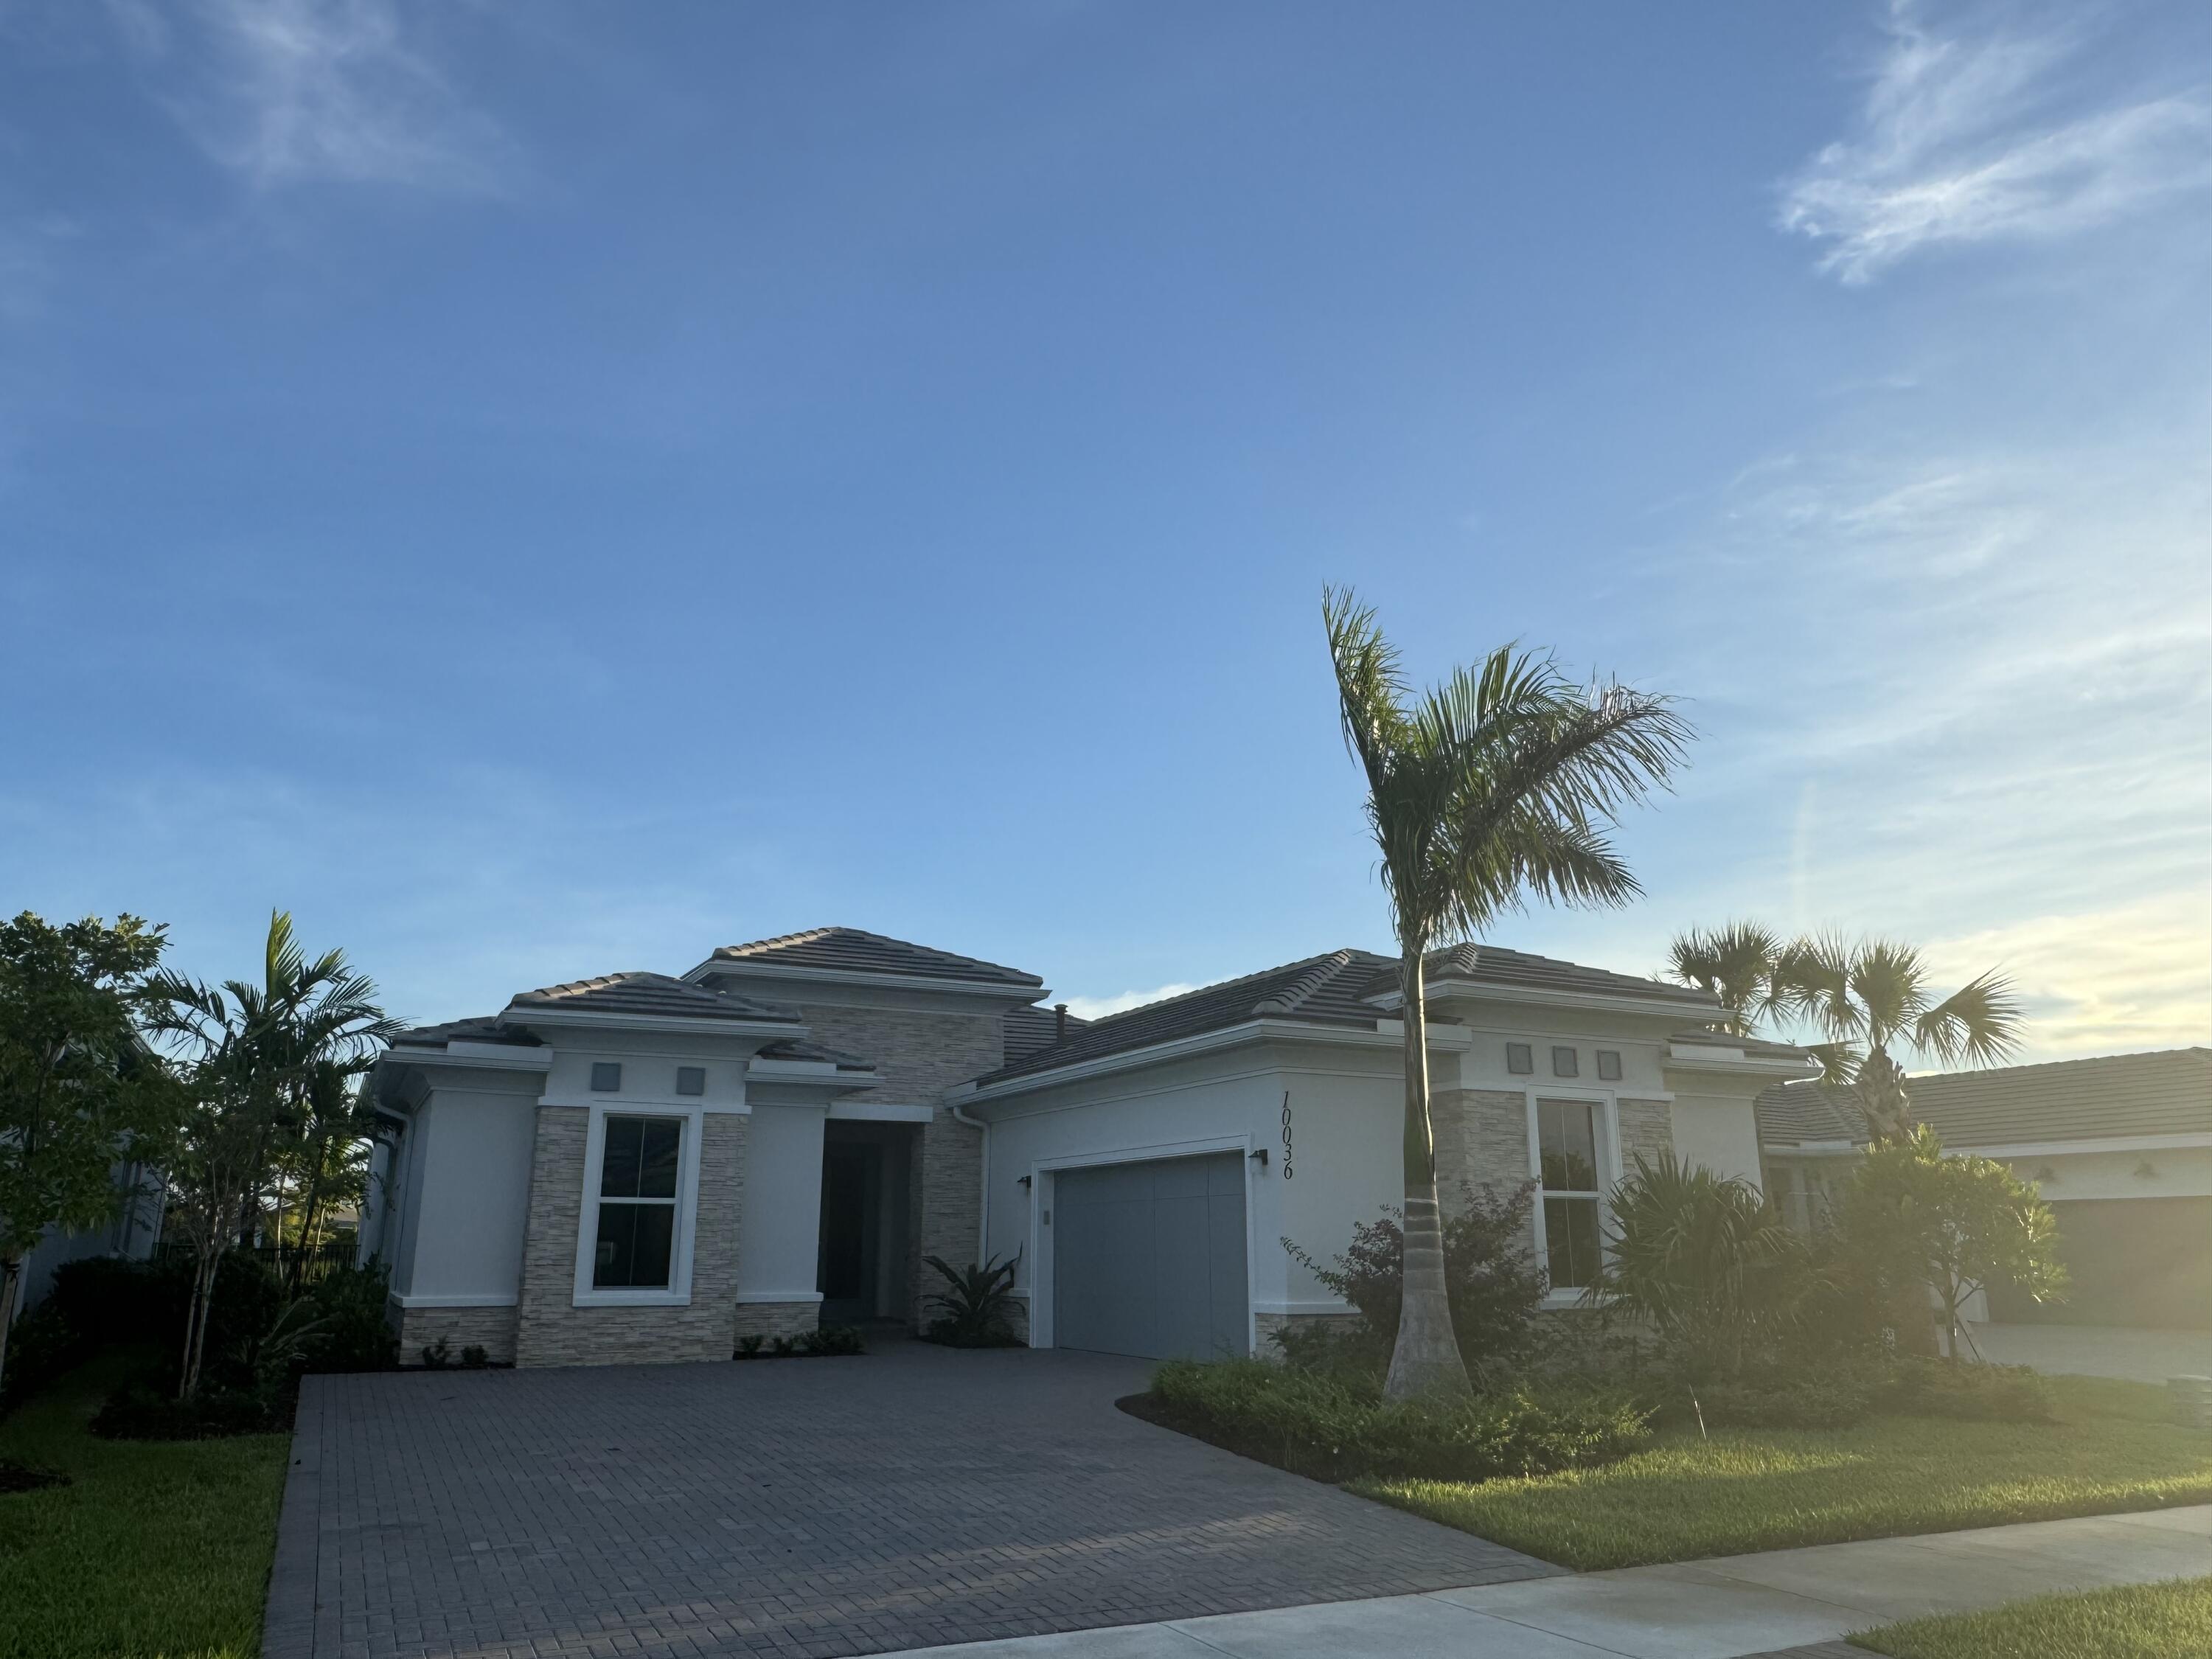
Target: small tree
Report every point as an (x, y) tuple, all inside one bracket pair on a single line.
[(78, 1092), (259, 1054), (1704, 1258), (1912, 1216)]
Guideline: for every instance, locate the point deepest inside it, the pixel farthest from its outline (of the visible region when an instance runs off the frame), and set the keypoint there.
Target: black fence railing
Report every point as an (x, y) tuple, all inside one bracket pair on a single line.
[(284, 1259)]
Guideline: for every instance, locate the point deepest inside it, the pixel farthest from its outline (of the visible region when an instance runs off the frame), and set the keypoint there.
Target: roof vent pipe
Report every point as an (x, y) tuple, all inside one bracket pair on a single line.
[(1060, 1022)]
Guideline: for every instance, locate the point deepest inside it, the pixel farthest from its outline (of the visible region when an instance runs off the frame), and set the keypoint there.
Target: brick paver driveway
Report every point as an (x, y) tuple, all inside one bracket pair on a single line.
[(814, 1507)]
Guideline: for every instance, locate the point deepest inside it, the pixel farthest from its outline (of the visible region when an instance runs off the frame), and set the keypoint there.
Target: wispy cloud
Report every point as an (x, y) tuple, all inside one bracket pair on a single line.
[(293, 91), (1099, 1007), (1968, 137)]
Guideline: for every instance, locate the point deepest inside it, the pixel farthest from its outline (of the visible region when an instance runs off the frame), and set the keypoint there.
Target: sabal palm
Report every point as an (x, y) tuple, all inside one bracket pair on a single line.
[(1867, 1000), (1500, 783), (1871, 999)]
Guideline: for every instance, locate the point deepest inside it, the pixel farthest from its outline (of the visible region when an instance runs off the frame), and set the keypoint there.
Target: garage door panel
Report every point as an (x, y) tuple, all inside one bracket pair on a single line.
[(1149, 1258)]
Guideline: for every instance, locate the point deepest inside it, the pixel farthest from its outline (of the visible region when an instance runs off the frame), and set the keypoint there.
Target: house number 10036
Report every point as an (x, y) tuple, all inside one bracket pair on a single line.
[(1288, 1171)]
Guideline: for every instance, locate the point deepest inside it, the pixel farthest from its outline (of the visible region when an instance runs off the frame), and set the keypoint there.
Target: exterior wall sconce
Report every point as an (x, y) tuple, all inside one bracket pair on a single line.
[(1026, 1181), (1259, 1153)]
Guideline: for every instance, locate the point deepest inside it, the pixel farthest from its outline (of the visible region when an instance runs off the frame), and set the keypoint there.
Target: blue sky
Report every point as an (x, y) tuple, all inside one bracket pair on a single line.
[(544, 489)]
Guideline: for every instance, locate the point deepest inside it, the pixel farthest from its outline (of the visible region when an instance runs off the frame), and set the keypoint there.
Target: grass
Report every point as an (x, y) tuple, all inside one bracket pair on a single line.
[(2137, 1621), (1762, 1489), (154, 1551)]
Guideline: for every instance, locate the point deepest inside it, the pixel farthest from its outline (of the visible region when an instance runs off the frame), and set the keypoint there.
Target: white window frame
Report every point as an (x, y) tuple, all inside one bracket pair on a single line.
[(678, 1294), (1607, 1116)]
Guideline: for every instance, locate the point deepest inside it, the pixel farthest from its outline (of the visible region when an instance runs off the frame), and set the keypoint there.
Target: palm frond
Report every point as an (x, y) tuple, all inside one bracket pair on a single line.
[(1891, 986), (1978, 1024)]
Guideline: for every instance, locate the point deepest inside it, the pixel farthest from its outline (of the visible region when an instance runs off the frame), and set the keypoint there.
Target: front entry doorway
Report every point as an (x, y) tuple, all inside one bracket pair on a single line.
[(865, 1270)]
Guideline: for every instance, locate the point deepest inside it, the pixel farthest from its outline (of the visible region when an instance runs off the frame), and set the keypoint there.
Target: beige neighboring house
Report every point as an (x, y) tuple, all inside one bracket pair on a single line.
[(644, 1167), (2120, 1145)]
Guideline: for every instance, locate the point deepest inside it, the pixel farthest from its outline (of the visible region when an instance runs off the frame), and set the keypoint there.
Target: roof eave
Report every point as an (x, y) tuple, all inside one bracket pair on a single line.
[(1610, 1002), (528, 1014)]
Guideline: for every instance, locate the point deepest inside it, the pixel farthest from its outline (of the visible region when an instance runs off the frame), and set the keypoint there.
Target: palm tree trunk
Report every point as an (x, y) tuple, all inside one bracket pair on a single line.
[(1887, 1104), (1426, 1358), (11, 1275)]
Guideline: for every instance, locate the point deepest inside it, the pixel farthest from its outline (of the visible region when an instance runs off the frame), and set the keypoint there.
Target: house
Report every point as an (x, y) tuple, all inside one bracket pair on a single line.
[(2121, 1147), (644, 1167)]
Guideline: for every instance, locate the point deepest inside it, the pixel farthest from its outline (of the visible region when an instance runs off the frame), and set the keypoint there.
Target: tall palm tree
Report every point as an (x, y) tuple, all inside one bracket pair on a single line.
[(1867, 1000), (1499, 783), (260, 1056)]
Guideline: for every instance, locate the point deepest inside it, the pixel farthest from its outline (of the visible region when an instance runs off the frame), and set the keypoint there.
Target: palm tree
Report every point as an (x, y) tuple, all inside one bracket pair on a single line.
[(1865, 1000), (1873, 997), (1500, 783), (262, 1057), (1735, 963)]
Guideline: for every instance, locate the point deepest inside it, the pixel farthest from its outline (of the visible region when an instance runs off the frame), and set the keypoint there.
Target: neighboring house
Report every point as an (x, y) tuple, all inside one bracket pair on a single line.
[(644, 1168), (2120, 1145), (133, 1234)]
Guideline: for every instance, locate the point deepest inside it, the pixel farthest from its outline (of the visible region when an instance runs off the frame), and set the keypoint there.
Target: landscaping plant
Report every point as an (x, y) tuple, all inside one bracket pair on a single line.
[(1706, 1260), (976, 1308), (1491, 1276), (1912, 1216), (1495, 785), (79, 1092)]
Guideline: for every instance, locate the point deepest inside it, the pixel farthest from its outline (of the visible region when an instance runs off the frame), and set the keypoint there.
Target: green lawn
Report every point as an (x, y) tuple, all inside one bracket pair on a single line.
[(1761, 1489), (156, 1551), (2139, 1621)]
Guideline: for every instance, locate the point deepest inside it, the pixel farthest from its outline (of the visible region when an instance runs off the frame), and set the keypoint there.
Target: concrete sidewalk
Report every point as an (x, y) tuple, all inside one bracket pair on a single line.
[(1722, 1608)]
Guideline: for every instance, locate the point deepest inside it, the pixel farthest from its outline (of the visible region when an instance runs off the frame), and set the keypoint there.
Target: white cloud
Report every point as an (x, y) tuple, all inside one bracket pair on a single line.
[(1099, 1007), (1967, 138), (292, 91), (2139, 976)]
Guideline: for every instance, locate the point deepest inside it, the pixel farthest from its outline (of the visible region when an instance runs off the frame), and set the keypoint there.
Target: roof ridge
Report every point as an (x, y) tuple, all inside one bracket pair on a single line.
[(1215, 988), (1324, 968)]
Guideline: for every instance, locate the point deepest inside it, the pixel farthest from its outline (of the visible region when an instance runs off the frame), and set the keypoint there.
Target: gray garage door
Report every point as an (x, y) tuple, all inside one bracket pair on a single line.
[(1148, 1258)]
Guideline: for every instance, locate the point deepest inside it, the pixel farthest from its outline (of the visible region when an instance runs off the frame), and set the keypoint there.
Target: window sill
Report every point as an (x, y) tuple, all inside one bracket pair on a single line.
[(631, 1299)]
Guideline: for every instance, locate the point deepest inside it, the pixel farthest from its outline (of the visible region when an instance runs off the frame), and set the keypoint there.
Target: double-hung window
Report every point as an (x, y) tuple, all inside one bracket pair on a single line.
[(1567, 1141), (637, 1242)]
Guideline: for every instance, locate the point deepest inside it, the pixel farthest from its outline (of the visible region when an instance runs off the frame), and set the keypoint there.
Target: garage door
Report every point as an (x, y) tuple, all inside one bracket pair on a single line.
[(1148, 1258), (2144, 1262)]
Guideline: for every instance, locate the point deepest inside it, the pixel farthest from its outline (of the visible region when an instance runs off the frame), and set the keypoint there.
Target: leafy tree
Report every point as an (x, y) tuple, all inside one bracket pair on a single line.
[(257, 1054), (1912, 1216), (1866, 1001), (1704, 1258), (79, 1093), (1500, 783)]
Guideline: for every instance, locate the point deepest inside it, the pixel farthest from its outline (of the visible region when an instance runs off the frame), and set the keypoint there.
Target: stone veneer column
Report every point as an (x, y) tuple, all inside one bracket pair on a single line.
[(1482, 1140), (552, 1331), (1647, 1127)]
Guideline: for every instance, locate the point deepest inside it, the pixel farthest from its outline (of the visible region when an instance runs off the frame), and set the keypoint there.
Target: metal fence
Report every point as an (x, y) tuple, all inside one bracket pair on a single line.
[(311, 1265)]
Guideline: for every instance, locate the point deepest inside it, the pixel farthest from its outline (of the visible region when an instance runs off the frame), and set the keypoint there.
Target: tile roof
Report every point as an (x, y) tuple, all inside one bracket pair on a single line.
[(1493, 964), (1030, 1028), (1705, 1036), (1322, 990), (485, 1028), (849, 950), (652, 995), (2168, 1092), (798, 1048)]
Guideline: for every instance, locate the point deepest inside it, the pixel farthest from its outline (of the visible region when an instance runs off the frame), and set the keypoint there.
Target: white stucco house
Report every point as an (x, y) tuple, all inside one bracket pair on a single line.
[(643, 1167)]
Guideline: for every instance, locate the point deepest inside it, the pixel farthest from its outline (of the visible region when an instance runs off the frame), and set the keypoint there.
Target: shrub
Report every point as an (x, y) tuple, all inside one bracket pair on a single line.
[(437, 1355), (137, 1411), (1338, 1431), (1489, 1273), (476, 1357), (353, 1333), (1918, 1387), (976, 1308), (1703, 1257), (807, 1345), (1807, 1402), (43, 1344)]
